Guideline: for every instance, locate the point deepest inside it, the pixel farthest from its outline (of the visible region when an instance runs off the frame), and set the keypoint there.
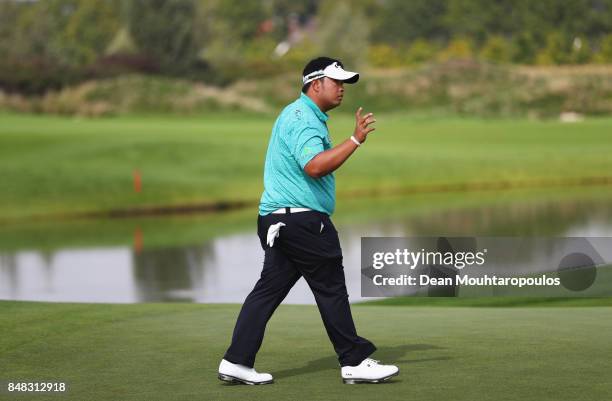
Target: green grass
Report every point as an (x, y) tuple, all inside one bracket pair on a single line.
[(59, 166), (500, 301), (171, 352), (446, 348)]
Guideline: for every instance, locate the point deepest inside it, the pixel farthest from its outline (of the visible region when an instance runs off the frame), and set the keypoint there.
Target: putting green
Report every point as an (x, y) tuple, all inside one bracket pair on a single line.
[(171, 352)]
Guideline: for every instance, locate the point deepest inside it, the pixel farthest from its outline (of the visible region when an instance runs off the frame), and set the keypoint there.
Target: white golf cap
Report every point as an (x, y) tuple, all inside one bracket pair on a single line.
[(334, 71)]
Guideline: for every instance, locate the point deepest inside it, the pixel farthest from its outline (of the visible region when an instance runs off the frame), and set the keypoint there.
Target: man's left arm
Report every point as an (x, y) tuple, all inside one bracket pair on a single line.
[(328, 161)]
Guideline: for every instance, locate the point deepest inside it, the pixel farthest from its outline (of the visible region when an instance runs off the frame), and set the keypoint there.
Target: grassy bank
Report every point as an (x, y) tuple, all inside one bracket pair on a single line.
[(452, 88), (547, 211), (171, 351), (57, 166)]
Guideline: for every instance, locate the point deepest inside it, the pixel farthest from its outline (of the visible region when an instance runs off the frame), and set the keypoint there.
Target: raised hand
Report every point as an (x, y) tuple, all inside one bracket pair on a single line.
[(362, 125)]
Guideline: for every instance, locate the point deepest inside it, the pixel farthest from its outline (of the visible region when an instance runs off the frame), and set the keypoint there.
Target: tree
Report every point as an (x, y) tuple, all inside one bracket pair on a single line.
[(230, 39), (88, 30), (244, 17), (343, 33), (400, 21), (164, 31), (478, 19), (283, 10), (9, 12)]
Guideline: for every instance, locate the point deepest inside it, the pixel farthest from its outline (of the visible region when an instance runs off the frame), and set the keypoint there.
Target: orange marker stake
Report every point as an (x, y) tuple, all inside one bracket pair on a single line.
[(138, 240)]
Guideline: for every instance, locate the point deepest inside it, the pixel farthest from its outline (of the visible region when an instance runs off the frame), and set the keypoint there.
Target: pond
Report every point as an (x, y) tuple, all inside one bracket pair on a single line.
[(224, 268)]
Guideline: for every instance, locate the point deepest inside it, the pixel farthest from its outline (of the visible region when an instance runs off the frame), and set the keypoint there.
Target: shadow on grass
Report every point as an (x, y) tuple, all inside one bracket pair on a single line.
[(389, 355)]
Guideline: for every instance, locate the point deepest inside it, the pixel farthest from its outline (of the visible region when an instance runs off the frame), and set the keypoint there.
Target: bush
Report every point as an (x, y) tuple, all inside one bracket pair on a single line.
[(134, 94), (117, 64), (580, 52), (524, 48), (457, 49), (557, 50), (384, 55), (35, 75), (497, 50), (605, 50), (421, 51)]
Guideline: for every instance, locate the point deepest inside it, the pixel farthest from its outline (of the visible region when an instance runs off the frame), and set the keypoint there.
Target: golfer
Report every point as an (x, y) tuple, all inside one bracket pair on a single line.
[(296, 233)]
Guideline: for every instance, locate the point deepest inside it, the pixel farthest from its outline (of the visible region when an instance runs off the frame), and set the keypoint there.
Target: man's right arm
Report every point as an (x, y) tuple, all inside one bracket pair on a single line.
[(328, 161)]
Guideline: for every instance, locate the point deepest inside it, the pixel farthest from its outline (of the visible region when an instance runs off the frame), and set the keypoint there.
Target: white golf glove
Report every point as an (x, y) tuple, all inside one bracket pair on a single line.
[(273, 233)]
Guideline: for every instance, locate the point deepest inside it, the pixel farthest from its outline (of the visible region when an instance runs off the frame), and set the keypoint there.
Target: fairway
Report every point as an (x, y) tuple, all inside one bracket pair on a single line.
[(61, 166), (171, 352)]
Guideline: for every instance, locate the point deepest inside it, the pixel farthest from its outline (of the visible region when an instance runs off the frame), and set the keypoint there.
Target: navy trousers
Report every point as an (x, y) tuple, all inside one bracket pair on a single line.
[(307, 246)]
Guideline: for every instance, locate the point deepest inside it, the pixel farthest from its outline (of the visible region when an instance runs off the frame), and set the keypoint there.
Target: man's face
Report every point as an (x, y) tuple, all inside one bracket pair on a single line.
[(331, 92)]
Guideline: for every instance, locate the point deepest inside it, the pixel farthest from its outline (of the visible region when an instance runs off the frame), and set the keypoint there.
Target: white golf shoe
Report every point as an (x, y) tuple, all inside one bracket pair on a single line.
[(368, 371), (234, 373)]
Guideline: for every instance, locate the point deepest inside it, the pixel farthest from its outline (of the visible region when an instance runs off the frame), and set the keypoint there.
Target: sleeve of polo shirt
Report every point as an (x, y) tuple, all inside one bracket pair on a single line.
[(308, 144)]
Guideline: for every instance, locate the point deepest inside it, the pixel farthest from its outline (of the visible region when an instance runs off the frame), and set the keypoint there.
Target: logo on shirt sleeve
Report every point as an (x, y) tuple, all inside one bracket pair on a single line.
[(308, 150)]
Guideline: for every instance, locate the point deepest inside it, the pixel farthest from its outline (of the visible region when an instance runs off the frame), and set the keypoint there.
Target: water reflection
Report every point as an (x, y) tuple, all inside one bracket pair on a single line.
[(170, 274), (226, 268)]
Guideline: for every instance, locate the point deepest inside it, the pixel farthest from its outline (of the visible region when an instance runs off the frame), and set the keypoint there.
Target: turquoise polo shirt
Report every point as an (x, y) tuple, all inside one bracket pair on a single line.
[(299, 134)]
